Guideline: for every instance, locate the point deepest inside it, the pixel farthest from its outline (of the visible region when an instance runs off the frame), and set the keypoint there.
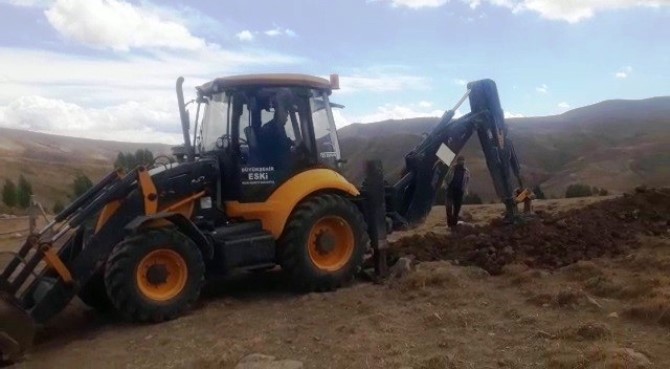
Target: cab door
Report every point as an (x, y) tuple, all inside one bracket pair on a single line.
[(276, 140)]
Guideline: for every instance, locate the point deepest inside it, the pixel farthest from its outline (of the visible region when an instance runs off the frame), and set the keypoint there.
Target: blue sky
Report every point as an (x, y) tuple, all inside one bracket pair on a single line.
[(106, 69)]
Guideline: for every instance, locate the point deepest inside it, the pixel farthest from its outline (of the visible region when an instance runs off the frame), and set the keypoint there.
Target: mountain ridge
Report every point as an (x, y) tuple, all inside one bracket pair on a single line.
[(615, 144)]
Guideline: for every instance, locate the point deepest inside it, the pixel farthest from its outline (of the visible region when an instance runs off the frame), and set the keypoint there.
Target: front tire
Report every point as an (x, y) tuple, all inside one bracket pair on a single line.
[(155, 276), (323, 243)]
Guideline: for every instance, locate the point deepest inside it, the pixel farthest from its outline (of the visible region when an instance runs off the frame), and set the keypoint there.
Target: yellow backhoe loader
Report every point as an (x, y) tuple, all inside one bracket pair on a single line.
[(257, 184)]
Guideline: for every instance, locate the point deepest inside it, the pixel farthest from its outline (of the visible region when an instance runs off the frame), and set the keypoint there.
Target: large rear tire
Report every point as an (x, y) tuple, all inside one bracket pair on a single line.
[(323, 243), (155, 276)]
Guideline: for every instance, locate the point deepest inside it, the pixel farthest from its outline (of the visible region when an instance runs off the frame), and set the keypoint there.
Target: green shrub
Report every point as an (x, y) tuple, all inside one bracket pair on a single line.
[(23, 193), (80, 185), (58, 207), (539, 194), (9, 193), (578, 190), (128, 161)]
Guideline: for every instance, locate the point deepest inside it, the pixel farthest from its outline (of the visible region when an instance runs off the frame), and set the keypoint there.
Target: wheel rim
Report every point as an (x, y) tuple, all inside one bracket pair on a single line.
[(162, 275), (331, 243)]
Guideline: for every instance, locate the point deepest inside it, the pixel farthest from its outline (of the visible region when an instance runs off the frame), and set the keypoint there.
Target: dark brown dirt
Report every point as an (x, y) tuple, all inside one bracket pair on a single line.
[(607, 228)]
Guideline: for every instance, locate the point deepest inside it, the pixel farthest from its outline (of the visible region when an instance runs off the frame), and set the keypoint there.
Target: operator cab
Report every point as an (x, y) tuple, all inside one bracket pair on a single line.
[(264, 129)]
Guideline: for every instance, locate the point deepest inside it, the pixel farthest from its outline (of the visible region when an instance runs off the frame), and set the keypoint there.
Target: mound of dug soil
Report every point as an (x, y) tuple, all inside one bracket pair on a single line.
[(606, 228)]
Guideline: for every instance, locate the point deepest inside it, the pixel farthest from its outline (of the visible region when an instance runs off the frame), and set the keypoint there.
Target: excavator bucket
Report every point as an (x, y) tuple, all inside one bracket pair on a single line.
[(17, 331)]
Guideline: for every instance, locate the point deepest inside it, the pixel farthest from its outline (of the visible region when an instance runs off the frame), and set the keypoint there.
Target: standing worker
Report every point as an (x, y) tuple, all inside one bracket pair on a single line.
[(457, 180)]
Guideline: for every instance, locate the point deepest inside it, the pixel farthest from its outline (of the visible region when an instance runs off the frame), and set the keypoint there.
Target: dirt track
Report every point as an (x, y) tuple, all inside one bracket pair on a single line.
[(610, 312)]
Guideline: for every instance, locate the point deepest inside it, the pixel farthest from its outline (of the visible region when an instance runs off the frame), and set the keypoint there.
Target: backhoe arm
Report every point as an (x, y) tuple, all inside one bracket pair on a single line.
[(410, 199)]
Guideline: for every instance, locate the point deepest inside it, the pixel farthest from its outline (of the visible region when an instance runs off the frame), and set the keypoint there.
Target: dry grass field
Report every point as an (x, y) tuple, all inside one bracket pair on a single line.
[(608, 312)]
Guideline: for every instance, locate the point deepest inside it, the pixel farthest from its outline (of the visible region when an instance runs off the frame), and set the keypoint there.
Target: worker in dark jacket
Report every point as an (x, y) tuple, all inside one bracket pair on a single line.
[(275, 142), (456, 180)]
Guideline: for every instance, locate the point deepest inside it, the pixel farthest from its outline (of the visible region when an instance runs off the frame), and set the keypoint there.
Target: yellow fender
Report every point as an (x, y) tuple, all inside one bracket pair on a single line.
[(275, 211)]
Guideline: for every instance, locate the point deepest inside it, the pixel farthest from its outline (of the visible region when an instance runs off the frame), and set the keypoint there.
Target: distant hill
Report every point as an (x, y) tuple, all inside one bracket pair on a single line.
[(51, 162), (615, 144)]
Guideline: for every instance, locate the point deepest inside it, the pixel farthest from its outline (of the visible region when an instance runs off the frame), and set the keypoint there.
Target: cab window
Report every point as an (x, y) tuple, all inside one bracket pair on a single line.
[(323, 130), (272, 128)]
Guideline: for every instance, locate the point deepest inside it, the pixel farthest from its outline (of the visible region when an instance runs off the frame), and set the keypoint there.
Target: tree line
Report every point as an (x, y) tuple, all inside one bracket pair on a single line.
[(128, 160), (79, 186), (18, 194), (124, 160), (14, 195)]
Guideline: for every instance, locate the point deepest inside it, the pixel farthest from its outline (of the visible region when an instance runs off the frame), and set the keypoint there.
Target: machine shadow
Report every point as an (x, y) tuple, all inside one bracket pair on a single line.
[(79, 322), (249, 286)]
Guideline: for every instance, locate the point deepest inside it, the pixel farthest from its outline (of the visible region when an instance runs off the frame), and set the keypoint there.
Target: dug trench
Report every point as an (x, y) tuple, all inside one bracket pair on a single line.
[(595, 295), (549, 241)]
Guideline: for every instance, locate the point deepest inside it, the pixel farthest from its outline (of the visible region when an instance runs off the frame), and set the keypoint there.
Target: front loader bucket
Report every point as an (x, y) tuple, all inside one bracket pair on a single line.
[(17, 331)]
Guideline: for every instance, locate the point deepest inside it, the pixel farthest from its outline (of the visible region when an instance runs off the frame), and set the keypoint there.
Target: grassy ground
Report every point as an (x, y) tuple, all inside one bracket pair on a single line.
[(606, 313)]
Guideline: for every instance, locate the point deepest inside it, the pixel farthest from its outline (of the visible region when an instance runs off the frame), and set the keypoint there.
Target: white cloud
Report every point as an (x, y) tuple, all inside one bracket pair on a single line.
[(382, 83), (148, 121), (543, 89), (338, 116), (26, 3), (417, 4), (571, 11), (394, 111), (279, 31), (624, 72), (425, 104), (509, 114), (118, 25), (103, 81), (460, 82), (245, 35), (129, 98), (564, 105)]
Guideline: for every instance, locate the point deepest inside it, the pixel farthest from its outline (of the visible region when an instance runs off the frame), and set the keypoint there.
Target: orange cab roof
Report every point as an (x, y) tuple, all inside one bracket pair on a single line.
[(270, 79)]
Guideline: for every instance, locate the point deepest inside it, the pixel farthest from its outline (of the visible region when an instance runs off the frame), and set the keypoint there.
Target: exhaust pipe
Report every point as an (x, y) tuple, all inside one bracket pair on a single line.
[(17, 331), (185, 124)]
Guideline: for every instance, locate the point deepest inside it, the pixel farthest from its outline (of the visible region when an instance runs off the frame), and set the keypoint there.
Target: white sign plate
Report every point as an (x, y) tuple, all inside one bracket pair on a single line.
[(445, 154)]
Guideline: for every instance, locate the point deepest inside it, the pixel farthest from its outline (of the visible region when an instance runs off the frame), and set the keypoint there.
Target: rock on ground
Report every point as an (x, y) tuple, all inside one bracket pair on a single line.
[(260, 361)]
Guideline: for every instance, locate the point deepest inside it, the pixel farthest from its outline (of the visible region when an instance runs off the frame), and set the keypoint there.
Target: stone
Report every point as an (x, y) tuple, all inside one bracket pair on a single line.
[(474, 272), (261, 361), (253, 358), (400, 268)]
